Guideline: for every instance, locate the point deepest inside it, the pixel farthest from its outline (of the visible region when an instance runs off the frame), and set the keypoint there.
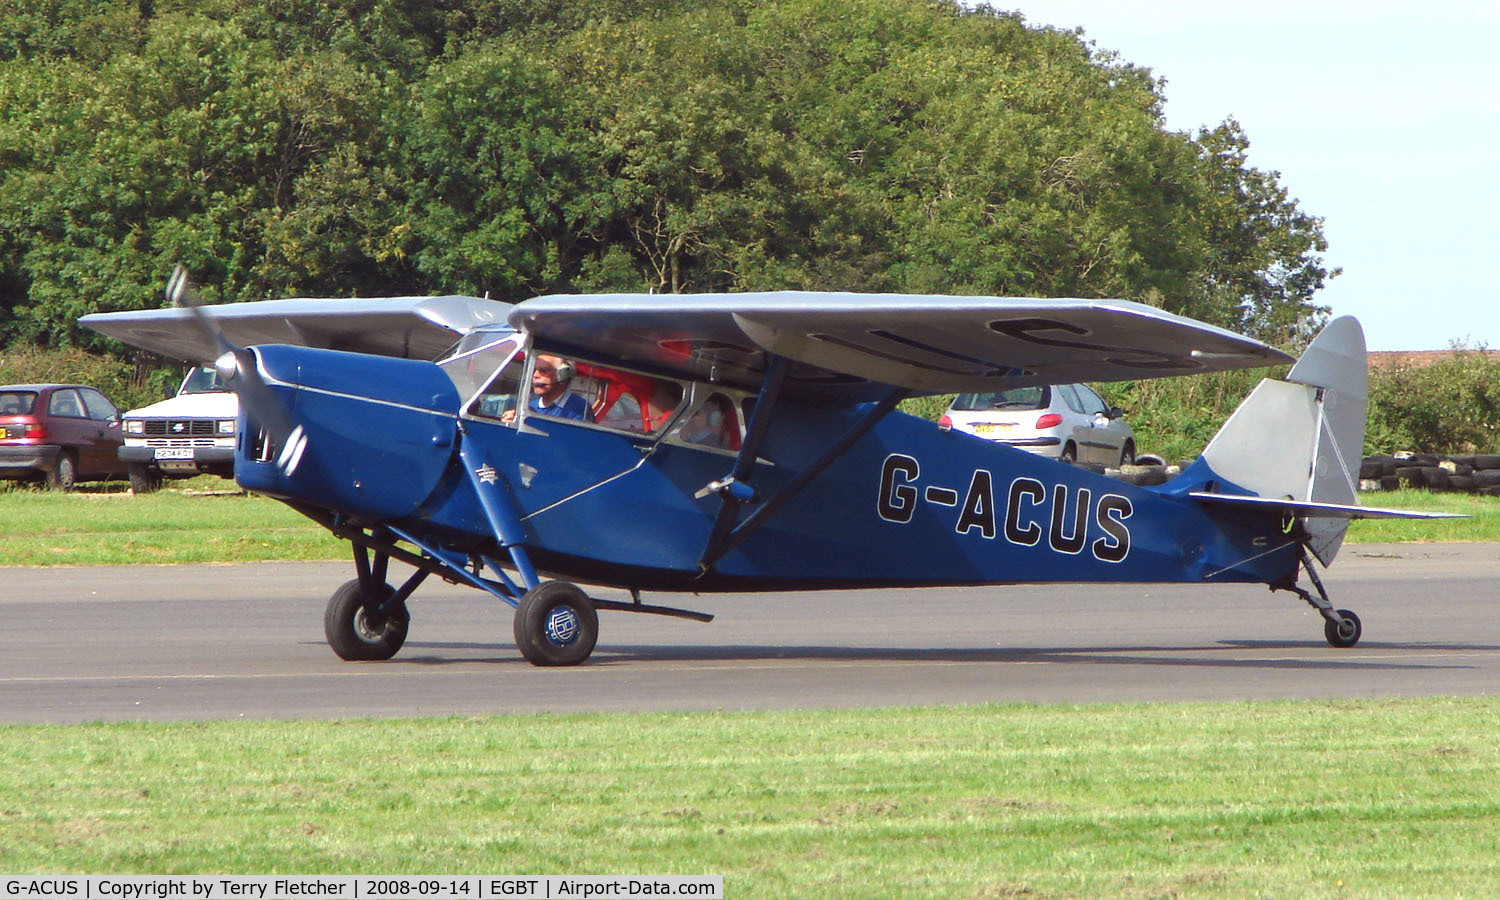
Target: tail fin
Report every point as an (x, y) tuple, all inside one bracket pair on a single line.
[(1301, 439)]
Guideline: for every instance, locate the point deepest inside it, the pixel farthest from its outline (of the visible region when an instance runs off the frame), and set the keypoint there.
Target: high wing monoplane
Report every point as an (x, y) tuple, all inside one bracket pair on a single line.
[(751, 442)]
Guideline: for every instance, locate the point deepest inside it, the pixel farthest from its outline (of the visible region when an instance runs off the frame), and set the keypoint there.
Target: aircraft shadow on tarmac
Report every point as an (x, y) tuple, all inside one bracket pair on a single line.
[(1221, 654)]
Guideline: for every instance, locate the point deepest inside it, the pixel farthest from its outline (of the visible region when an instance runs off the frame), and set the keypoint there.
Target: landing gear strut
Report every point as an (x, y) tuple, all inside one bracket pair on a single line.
[(556, 623), (1341, 627)]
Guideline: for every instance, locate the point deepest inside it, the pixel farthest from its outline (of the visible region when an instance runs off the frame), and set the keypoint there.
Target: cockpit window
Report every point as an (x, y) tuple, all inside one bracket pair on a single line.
[(627, 401), (501, 396), (713, 423), (502, 383), (473, 361)]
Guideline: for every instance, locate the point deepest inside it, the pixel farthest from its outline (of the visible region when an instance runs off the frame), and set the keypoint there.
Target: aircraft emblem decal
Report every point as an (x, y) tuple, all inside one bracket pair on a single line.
[(487, 474)]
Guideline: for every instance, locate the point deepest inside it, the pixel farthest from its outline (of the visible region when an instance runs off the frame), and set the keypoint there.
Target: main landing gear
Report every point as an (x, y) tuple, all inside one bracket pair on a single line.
[(1341, 627), (556, 623), (357, 632)]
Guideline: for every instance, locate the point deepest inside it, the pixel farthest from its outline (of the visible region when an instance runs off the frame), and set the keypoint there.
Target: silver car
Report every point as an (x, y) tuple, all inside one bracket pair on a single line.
[(1064, 421)]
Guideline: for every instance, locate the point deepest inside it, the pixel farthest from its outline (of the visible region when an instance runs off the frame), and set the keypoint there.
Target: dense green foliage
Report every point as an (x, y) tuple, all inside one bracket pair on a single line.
[(375, 147), (23, 363), (1448, 406)]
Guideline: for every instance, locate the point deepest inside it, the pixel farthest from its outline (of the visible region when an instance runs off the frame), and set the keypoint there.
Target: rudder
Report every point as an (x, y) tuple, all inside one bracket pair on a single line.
[(1301, 439)]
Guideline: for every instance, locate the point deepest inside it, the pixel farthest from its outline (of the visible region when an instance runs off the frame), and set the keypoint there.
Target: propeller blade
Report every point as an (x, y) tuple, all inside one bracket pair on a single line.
[(237, 367), (183, 293)]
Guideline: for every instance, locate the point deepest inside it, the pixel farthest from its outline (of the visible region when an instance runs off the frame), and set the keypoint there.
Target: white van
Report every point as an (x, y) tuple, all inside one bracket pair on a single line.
[(182, 436)]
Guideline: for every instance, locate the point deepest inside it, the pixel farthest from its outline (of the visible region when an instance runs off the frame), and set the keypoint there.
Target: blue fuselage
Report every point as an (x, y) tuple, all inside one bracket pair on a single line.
[(907, 505)]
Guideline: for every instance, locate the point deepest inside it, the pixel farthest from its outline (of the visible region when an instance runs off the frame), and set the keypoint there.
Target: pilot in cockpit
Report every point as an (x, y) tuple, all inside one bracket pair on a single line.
[(712, 424), (549, 390)]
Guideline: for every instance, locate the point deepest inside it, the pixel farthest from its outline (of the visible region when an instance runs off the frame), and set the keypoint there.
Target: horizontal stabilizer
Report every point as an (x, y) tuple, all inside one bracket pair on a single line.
[(1311, 509)]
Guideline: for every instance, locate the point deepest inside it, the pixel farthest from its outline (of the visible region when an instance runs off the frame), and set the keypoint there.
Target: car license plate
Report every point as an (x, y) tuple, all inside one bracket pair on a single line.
[(174, 453), (993, 427)]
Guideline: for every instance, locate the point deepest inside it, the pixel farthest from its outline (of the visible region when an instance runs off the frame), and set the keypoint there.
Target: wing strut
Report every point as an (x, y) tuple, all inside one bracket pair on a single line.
[(783, 496), (735, 492)]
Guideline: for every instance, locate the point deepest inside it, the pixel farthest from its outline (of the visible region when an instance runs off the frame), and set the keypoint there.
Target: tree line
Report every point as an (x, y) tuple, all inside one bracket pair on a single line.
[(515, 147)]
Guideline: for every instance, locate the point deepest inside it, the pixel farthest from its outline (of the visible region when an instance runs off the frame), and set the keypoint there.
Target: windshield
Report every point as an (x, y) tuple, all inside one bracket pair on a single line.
[(473, 360), (203, 380), (1022, 398)]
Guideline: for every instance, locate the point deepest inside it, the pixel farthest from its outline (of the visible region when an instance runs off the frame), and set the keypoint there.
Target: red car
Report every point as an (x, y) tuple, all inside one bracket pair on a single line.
[(63, 433)]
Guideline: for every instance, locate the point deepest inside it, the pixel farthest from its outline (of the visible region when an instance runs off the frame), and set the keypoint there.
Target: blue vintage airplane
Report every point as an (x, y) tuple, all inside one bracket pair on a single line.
[(750, 442)]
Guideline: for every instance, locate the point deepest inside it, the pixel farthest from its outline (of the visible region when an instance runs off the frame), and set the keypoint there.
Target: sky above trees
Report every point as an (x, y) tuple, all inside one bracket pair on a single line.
[(1382, 118)]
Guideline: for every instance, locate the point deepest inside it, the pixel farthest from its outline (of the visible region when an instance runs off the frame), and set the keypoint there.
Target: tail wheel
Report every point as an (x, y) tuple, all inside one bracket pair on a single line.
[(353, 635), (556, 625), (1344, 632)]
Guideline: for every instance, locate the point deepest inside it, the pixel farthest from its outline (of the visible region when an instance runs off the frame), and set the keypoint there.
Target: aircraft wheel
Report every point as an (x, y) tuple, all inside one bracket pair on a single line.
[(1345, 634), (556, 625), (352, 635)]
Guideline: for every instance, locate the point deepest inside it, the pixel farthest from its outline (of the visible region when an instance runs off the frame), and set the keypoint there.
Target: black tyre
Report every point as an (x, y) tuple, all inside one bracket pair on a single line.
[(1486, 478), (1127, 454), (1069, 454), (1343, 634), (65, 474), (1144, 475), (144, 479), (352, 635), (556, 625)]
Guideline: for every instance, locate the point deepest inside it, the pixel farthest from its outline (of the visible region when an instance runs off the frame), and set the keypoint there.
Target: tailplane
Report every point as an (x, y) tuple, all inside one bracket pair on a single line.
[(1301, 439)]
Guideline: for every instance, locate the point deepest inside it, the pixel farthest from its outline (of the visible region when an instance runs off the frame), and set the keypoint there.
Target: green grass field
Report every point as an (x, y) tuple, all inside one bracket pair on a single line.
[(203, 520), (1343, 799), (1346, 799)]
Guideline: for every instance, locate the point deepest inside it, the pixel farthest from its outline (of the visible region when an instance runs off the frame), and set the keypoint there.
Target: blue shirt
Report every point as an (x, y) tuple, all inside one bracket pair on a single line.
[(569, 406)]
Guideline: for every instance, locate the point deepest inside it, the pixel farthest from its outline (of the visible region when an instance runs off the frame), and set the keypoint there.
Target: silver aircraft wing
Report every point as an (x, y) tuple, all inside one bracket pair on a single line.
[(852, 346), (414, 327)]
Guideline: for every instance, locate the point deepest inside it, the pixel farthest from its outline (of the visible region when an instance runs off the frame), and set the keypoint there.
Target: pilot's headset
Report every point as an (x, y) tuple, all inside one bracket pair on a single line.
[(563, 372)]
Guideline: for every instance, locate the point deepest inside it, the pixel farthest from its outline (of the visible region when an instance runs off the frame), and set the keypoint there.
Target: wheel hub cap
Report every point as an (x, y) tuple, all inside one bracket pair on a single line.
[(562, 626), (366, 629)]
